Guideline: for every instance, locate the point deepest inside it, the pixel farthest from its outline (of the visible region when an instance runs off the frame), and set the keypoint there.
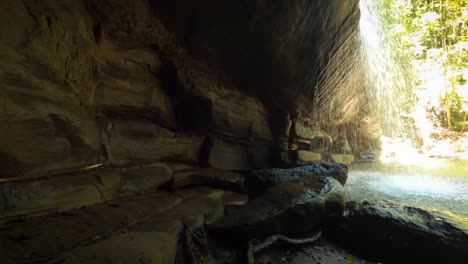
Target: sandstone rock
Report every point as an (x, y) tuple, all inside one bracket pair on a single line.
[(343, 158), (58, 193), (197, 211), (60, 233), (304, 130), (45, 127), (289, 208), (234, 198), (260, 180), (132, 247), (139, 142), (208, 177), (234, 113), (341, 145), (321, 143), (288, 158), (144, 178), (390, 232), (309, 156), (128, 85), (273, 39), (44, 142), (231, 156)]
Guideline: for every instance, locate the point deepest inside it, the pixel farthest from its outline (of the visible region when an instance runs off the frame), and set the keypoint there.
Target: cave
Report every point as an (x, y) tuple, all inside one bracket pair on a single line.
[(177, 131)]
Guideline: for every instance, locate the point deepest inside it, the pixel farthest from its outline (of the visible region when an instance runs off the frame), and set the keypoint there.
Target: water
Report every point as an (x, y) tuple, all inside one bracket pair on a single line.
[(384, 77), (442, 185), (403, 175)]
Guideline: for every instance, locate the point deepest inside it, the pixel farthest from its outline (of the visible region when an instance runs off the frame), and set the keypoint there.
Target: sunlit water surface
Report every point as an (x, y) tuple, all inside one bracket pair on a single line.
[(439, 184)]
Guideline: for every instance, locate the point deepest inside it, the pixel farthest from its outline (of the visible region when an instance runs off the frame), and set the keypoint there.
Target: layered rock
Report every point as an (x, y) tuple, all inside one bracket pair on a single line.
[(287, 46), (122, 85), (28, 197), (147, 228)]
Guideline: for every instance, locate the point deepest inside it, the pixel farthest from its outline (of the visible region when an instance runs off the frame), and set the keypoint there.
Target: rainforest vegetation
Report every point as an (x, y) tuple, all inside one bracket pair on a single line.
[(429, 39)]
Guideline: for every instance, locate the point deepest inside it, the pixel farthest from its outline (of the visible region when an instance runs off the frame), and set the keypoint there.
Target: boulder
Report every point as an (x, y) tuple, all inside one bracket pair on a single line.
[(393, 233), (260, 180), (289, 208)]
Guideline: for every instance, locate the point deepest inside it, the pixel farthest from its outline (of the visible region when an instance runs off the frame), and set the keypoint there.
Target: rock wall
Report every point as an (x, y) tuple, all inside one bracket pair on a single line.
[(230, 85), (86, 82)]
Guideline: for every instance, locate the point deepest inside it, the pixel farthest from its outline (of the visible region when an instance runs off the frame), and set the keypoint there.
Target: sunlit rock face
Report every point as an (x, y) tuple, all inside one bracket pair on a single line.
[(223, 84), (281, 51)]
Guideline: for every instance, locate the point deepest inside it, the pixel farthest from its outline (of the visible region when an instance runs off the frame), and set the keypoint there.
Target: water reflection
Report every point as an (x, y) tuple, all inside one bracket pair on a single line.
[(443, 187)]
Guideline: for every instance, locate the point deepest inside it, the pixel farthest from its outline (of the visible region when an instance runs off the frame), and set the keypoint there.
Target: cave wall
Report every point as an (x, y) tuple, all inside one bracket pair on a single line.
[(233, 85)]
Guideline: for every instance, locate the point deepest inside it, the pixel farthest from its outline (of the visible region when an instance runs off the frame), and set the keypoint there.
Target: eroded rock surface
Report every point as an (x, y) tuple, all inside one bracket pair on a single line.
[(289, 208), (260, 180), (133, 229), (395, 233)]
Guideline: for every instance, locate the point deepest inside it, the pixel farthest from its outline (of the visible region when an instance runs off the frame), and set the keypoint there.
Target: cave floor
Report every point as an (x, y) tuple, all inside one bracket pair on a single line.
[(138, 229), (320, 252)]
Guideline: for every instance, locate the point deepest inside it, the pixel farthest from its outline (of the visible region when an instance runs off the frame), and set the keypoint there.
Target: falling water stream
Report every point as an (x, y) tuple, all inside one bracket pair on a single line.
[(409, 177)]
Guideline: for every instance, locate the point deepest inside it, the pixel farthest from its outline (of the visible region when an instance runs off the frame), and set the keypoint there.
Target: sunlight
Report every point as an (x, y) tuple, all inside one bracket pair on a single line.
[(417, 62), (421, 185), (403, 152)]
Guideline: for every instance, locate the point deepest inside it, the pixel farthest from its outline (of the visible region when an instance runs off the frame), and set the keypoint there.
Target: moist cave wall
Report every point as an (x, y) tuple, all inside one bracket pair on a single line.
[(104, 86)]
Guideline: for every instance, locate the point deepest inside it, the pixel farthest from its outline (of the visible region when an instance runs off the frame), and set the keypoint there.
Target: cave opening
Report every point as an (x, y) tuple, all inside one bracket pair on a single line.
[(415, 57), (217, 131)]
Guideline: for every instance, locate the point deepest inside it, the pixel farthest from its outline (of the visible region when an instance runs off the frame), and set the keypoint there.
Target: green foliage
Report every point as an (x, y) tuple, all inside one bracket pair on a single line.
[(430, 40)]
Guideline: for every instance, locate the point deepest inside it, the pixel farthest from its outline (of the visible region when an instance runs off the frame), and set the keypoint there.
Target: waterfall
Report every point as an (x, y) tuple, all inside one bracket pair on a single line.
[(385, 81)]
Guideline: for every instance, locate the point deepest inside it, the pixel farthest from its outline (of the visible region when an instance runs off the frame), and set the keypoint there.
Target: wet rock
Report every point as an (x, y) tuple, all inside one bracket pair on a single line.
[(341, 145), (367, 155), (309, 156), (343, 158), (395, 233), (289, 208), (321, 143), (305, 130), (260, 180)]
